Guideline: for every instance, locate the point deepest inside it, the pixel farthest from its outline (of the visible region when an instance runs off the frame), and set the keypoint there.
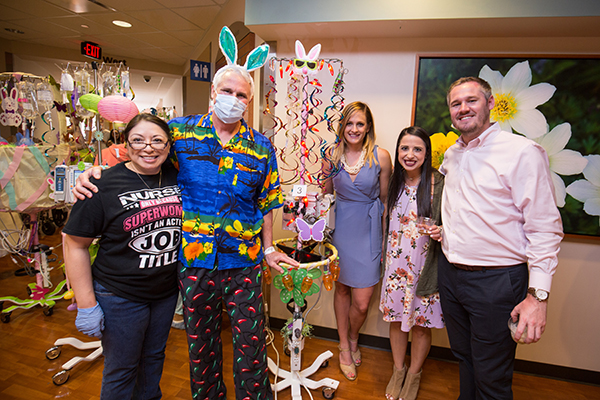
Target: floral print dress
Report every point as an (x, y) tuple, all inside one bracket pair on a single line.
[(406, 253)]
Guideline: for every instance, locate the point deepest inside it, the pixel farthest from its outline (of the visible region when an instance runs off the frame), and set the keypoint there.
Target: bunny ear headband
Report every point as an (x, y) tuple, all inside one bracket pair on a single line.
[(256, 59)]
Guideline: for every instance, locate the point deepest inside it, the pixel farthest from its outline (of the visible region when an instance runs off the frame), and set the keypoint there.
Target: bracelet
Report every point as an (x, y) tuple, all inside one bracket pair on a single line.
[(269, 250)]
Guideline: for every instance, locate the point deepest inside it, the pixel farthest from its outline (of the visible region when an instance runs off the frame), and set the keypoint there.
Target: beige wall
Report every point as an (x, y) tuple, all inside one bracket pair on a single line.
[(382, 73), (290, 12)]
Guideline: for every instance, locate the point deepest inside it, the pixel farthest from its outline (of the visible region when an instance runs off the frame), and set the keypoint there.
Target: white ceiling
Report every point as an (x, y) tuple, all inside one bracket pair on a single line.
[(169, 31), (166, 31)]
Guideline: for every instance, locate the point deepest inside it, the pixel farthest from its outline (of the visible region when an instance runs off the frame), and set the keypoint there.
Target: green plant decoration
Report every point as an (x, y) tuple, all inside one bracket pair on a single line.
[(297, 275)]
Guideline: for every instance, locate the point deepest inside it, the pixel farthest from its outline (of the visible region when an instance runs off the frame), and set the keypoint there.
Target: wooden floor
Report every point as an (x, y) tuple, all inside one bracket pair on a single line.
[(26, 374)]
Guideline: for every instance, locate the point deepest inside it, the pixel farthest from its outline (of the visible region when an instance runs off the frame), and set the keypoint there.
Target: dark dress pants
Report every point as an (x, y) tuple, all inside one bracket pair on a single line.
[(476, 307)]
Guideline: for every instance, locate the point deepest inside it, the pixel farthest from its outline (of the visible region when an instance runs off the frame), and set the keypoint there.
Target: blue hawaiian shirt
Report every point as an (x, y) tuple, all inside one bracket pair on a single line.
[(226, 190)]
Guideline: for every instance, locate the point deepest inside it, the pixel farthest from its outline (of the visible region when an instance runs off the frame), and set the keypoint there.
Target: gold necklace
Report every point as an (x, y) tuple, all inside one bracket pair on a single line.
[(159, 177)]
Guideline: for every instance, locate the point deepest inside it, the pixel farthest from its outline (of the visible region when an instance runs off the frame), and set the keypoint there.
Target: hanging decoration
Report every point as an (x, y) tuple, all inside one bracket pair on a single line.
[(10, 116), (90, 101), (117, 109), (300, 161), (301, 156)]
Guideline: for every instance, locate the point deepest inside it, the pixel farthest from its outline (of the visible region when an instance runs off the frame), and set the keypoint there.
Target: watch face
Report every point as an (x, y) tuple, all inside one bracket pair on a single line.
[(541, 294)]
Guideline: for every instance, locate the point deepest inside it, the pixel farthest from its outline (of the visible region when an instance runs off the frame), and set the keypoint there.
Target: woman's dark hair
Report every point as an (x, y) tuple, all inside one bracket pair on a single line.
[(398, 178), (149, 118)]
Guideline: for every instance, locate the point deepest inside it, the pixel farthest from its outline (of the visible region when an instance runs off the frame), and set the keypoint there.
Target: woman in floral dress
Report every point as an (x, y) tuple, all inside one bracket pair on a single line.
[(409, 296)]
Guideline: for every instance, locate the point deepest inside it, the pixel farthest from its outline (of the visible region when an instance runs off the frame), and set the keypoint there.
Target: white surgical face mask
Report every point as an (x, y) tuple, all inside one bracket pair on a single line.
[(229, 109)]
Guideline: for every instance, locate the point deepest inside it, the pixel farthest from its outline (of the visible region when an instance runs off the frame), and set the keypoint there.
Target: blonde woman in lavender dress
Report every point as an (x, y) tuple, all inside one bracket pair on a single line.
[(361, 193), (409, 292)]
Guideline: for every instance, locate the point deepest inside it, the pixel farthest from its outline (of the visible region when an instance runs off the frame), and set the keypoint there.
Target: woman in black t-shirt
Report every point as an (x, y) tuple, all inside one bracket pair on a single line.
[(127, 297)]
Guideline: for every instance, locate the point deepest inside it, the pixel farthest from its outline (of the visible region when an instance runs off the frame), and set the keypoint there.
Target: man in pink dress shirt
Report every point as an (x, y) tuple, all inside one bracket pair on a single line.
[(501, 237)]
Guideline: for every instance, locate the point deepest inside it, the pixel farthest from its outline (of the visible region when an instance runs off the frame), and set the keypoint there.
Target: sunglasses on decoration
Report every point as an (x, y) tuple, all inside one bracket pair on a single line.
[(312, 65)]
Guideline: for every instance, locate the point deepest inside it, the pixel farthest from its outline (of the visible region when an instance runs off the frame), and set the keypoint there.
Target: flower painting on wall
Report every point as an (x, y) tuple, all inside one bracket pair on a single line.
[(553, 101)]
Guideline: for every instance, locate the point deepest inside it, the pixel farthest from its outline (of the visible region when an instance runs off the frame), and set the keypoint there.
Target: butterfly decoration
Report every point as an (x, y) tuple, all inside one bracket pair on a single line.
[(307, 232), (60, 107)]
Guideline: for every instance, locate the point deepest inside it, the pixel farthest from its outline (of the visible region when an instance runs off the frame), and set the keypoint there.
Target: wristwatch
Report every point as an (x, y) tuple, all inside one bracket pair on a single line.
[(538, 294)]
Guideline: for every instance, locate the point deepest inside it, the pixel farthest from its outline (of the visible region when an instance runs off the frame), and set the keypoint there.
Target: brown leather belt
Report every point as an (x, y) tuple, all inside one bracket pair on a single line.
[(482, 268)]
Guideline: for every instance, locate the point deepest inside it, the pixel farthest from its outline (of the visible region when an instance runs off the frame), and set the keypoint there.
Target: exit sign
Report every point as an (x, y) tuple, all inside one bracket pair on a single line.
[(91, 50)]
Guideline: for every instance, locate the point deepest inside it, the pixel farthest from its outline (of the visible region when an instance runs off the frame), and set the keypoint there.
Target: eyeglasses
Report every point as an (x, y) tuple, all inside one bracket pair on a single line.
[(139, 144), (312, 65)]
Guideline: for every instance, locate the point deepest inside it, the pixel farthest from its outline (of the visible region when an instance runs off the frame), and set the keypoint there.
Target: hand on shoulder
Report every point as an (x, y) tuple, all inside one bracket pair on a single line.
[(83, 187)]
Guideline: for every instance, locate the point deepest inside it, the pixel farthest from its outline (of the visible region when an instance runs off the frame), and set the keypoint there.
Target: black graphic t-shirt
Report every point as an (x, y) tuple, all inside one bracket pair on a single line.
[(139, 229)]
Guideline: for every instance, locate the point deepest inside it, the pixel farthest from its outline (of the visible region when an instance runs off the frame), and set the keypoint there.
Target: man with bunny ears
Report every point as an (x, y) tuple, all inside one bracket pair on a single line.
[(230, 186)]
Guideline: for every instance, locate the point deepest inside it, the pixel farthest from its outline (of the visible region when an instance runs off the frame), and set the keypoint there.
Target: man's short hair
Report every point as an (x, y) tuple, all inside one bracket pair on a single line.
[(485, 86), (236, 69)]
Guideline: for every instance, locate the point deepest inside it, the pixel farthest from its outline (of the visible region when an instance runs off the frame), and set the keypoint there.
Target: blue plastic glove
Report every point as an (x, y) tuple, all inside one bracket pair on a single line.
[(90, 321)]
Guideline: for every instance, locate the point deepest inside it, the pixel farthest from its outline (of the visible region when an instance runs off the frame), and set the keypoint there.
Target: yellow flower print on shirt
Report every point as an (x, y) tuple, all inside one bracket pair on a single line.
[(274, 177), (225, 164)]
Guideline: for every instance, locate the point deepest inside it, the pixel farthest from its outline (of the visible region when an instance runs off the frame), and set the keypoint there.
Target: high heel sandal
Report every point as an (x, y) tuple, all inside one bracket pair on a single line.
[(392, 391), (349, 371), (356, 355)]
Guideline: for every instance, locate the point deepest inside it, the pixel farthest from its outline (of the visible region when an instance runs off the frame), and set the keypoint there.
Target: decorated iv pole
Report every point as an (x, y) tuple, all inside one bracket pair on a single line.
[(310, 214)]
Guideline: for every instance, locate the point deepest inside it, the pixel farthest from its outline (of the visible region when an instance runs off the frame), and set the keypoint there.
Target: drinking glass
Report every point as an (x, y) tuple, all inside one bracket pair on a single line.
[(513, 329), (424, 224)]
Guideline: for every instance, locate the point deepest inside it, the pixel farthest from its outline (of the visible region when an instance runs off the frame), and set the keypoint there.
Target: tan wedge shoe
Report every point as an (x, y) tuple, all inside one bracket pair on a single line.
[(356, 355), (349, 371)]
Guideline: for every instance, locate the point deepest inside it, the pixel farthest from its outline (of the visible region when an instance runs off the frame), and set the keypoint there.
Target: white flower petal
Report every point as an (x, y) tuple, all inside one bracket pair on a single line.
[(559, 190), (556, 140), (591, 172), (582, 190), (530, 123), (505, 126), (518, 78), (535, 95), (568, 162), (494, 78), (592, 207)]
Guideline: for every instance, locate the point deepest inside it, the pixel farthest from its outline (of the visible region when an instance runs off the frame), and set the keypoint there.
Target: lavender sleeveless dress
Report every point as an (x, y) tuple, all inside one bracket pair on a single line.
[(358, 235)]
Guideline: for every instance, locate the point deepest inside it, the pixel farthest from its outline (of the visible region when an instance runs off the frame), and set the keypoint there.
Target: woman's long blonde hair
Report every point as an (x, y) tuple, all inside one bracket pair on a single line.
[(369, 140)]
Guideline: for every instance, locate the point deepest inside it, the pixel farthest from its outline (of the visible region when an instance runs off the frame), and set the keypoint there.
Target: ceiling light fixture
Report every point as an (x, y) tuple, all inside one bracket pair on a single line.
[(122, 24), (84, 26)]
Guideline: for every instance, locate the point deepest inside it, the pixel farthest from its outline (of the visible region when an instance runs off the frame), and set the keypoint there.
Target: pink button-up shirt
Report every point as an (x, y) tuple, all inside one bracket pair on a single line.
[(498, 206)]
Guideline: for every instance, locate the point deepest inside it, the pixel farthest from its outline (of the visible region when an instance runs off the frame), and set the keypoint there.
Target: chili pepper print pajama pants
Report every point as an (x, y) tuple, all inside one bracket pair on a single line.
[(204, 293)]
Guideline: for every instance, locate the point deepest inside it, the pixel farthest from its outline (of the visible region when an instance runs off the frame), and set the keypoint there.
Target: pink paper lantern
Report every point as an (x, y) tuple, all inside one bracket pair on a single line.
[(117, 108)]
